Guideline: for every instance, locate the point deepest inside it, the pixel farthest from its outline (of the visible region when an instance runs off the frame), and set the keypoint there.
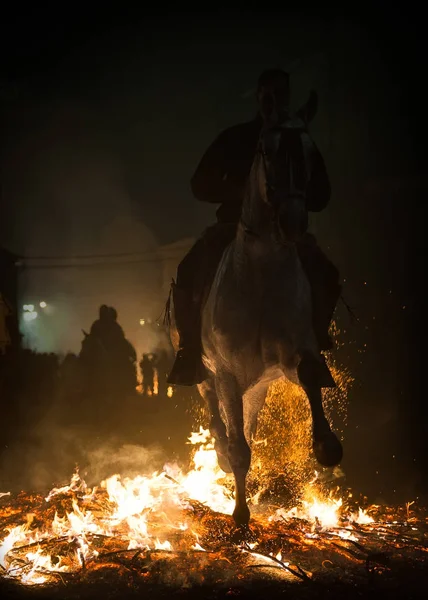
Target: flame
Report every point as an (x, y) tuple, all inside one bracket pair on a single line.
[(155, 382), (142, 512), (155, 390), (156, 512), (149, 512), (126, 514), (317, 511), (323, 512)]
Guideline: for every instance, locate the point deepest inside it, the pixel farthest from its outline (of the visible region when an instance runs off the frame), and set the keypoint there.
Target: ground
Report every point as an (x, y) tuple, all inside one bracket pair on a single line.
[(291, 558)]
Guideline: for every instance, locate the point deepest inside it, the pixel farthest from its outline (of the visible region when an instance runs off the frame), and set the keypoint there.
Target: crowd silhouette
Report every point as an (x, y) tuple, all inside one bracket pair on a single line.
[(101, 386), (55, 409)]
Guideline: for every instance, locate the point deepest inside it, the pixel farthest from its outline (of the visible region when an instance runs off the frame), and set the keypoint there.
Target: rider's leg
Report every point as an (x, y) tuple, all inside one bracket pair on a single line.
[(188, 368), (324, 280), (194, 274)]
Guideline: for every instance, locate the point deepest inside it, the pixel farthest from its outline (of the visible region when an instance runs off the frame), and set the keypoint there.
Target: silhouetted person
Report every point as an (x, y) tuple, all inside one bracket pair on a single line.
[(148, 374), (162, 367), (109, 358), (106, 326), (99, 325), (127, 364)]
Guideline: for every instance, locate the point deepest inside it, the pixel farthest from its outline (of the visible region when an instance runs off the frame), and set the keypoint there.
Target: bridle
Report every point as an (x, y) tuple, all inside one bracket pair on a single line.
[(270, 190), (270, 195)]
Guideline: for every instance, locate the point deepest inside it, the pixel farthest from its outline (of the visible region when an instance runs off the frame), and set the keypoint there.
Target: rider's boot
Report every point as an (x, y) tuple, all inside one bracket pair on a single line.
[(188, 368)]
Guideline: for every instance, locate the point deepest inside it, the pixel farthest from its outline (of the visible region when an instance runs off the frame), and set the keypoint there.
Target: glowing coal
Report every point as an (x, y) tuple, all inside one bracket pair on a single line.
[(62, 531)]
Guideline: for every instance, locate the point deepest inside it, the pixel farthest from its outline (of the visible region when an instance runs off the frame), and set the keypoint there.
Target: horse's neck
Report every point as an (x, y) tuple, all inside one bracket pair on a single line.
[(255, 214), (257, 255), (259, 263)]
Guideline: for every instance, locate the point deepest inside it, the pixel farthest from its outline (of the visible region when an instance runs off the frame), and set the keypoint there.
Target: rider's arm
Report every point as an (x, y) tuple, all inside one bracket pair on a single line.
[(210, 182), (319, 189)]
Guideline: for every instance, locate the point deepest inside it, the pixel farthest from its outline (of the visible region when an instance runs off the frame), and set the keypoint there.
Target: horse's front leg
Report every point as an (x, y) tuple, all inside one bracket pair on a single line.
[(239, 452), (326, 446), (217, 427)]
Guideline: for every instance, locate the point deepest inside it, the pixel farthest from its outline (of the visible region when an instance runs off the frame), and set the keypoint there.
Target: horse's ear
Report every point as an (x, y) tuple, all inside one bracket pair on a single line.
[(84, 333), (308, 111)]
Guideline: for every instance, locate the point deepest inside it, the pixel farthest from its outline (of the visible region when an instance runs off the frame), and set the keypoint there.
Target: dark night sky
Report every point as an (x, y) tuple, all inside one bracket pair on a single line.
[(153, 93), (137, 100)]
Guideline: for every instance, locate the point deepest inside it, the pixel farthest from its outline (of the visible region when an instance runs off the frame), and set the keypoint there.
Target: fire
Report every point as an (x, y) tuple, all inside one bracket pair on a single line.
[(155, 513), (182, 512), (204, 482), (323, 512), (129, 506), (317, 511), (155, 382), (147, 513)]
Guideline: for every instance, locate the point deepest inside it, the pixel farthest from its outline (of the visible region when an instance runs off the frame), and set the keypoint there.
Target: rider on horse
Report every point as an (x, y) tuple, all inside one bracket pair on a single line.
[(221, 178)]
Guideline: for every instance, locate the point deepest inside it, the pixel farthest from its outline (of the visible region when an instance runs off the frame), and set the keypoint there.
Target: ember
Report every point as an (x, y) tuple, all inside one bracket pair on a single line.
[(184, 516), (174, 526)]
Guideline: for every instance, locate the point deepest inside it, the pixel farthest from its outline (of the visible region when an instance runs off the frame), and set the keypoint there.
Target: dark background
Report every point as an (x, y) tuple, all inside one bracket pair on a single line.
[(144, 94)]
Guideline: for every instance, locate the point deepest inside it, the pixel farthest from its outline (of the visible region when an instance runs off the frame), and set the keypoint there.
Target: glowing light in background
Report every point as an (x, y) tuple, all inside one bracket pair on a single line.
[(145, 321), (30, 315), (43, 304)]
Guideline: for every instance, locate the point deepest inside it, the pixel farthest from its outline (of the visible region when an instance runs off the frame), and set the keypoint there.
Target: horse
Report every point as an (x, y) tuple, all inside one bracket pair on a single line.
[(256, 319)]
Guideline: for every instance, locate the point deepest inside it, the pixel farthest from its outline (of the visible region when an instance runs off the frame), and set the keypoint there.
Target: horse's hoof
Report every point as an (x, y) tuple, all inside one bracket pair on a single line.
[(223, 463), (328, 450), (241, 516), (242, 534)]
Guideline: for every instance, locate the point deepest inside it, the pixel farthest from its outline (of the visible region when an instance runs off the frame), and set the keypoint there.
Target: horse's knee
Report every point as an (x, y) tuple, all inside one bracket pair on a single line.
[(217, 428)]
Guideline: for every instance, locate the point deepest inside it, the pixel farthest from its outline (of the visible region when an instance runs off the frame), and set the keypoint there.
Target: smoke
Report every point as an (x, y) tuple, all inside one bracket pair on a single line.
[(66, 194), (48, 455), (65, 191), (128, 460)]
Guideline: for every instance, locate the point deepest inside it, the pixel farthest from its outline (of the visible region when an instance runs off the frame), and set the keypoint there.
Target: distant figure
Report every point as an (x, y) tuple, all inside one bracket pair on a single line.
[(103, 320), (109, 358), (162, 366), (126, 365), (148, 372), (106, 326)]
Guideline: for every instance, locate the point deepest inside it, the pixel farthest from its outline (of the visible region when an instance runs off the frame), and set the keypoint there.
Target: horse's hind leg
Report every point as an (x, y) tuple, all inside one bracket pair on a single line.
[(217, 427), (326, 446), (238, 449)]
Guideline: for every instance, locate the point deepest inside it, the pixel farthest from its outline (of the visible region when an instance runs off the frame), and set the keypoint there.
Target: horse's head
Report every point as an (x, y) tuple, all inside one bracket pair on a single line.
[(282, 170), (283, 177)]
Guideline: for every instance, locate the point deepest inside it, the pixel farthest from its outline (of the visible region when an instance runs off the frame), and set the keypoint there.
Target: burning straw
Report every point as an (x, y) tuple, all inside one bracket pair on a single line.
[(182, 519), (175, 526)]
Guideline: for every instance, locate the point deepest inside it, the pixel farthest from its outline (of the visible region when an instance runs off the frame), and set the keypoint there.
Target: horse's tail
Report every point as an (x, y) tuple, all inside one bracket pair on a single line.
[(167, 311)]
